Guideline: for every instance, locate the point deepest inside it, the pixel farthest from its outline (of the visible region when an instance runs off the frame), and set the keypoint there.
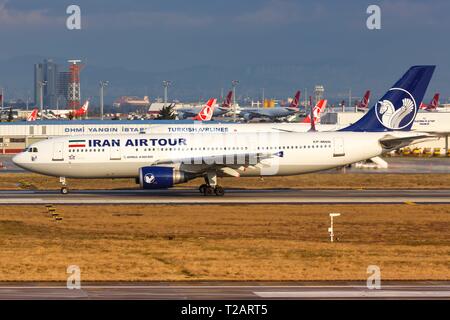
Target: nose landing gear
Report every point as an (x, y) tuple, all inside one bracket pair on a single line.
[(64, 189)]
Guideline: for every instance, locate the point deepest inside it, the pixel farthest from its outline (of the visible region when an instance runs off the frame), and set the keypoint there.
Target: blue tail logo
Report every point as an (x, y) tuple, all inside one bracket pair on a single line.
[(396, 117), (398, 107)]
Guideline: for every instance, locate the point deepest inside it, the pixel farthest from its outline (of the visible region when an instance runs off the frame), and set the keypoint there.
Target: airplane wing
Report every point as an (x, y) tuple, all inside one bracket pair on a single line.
[(228, 164), (185, 113), (392, 142), (260, 113)]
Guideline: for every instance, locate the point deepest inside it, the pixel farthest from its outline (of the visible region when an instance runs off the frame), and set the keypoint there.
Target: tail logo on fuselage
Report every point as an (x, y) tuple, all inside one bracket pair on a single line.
[(149, 178), (398, 110)]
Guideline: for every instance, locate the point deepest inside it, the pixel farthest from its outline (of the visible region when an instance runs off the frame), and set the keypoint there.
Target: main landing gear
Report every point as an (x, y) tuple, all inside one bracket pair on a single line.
[(64, 189), (211, 186)]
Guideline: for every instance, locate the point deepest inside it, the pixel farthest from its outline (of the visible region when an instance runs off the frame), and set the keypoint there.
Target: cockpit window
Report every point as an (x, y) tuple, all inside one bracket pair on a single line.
[(35, 150)]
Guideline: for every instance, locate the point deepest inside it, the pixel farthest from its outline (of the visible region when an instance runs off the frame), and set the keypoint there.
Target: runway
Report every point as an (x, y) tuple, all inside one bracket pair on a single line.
[(232, 196), (227, 291)]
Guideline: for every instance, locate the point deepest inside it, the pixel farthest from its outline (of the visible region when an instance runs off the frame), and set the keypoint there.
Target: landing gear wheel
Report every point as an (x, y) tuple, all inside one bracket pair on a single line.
[(219, 191), (64, 190), (208, 191), (202, 188)]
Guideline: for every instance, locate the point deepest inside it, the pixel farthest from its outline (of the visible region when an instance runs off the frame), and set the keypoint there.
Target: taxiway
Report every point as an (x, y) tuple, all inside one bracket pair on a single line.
[(232, 196), (228, 291)]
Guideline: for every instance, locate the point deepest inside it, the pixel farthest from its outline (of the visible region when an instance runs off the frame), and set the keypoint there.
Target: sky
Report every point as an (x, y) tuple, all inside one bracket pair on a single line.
[(278, 45)]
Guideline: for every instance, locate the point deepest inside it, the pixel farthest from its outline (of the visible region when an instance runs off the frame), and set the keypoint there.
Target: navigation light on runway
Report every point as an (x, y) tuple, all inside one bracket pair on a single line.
[(330, 229)]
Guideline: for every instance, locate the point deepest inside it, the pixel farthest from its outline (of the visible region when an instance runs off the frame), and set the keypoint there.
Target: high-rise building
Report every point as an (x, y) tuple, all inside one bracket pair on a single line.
[(63, 87), (46, 71)]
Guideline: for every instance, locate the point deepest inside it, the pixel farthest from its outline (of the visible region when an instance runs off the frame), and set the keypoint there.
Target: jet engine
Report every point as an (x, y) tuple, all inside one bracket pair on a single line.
[(161, 177)]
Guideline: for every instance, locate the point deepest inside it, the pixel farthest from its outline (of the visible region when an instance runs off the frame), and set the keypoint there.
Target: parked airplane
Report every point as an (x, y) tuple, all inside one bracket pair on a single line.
[(185, 113), (271, 113), (433, 104), (33, 115), (163, 160), (52, 114)]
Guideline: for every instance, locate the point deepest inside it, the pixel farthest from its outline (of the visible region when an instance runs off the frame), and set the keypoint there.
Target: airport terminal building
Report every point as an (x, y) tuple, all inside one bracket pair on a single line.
[(15, 136)]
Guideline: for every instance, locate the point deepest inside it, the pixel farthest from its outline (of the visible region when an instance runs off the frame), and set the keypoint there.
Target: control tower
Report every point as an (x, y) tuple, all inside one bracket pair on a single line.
[(319, 91)]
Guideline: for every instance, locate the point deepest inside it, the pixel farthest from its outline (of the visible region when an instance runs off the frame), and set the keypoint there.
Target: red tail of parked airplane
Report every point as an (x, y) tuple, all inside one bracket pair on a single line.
[(227, 102), (319, 107), (33, 115), (365, 101), (207, 111), (433, 104), (295, 101)]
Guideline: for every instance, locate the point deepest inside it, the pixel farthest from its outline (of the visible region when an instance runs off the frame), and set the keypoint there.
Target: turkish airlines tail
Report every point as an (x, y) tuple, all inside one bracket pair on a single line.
[(318, 108), (433, 104), (365, 101), (83, 110), (227, 102), (33, 115), (294, 103), (207, 111)]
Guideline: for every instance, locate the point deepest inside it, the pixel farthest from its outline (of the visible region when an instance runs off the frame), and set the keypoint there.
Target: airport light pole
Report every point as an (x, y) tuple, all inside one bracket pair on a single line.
[(234, 83), (3, 97), (350, 98), (41, 94), (103, 84), (263, 98), (166, 84)]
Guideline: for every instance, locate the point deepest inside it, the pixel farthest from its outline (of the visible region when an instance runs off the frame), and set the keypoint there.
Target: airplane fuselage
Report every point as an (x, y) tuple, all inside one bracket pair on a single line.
[(121, 156)]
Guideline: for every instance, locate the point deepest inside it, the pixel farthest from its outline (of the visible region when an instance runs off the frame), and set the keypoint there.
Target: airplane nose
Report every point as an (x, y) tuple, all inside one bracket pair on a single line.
[(18, 160)]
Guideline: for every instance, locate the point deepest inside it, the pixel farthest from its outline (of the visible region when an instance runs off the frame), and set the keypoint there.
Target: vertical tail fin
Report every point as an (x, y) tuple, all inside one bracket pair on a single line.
[(85, 106), (435, 102), (365, 101), (397, 109), (295, 101), (227, 102), (320, 106), (33, 115), (206, 113)]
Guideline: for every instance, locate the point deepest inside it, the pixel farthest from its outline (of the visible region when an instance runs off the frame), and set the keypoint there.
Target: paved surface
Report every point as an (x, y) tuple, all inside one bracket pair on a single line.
[(227, 291), (192, 196)]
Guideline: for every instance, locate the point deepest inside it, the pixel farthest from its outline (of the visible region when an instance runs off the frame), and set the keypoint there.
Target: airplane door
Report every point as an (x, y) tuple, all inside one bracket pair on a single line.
[(115, 153), (338, 147), (58, 151)]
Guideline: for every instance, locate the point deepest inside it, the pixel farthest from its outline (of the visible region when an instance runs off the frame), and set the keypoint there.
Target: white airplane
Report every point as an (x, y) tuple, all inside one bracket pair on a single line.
[(163, 160), (272, 113), (186, 113), (67, 113)]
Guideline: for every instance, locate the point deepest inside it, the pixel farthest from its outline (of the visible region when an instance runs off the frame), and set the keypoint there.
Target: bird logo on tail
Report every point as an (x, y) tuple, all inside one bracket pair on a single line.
[(400, 116)]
